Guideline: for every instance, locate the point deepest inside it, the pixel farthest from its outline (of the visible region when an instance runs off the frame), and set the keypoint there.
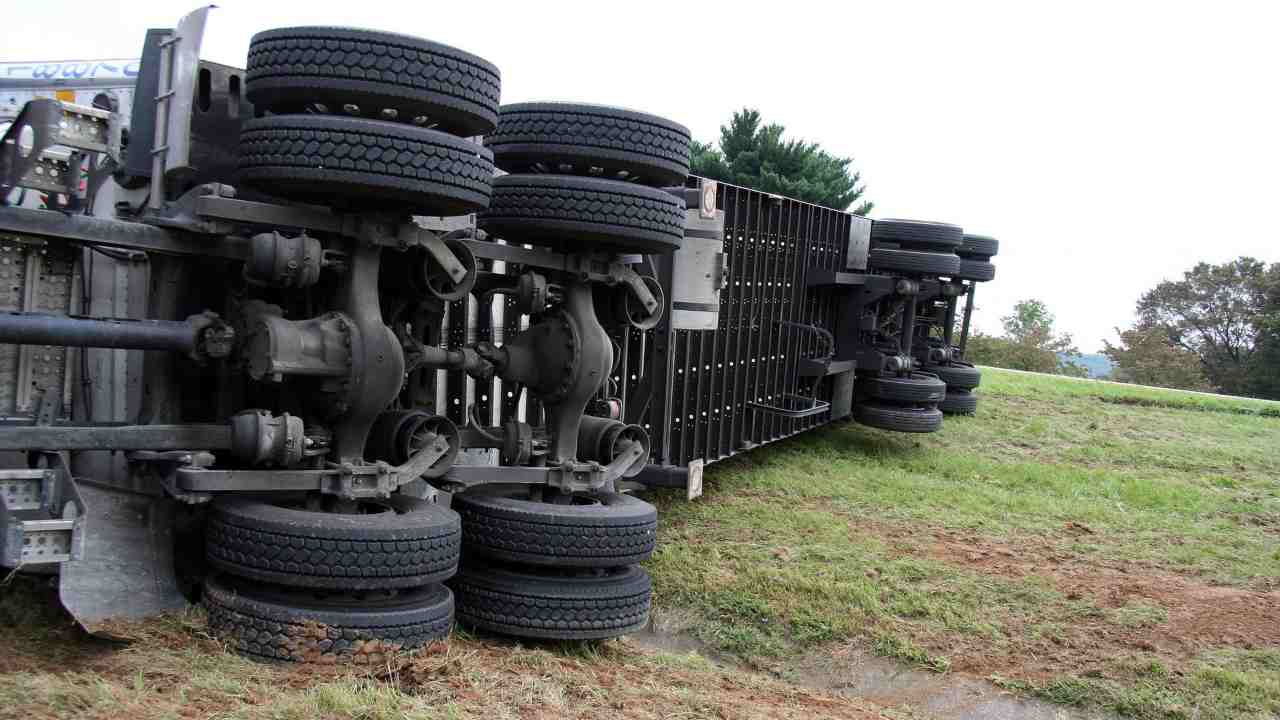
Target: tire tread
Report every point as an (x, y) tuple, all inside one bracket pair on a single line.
[(288, 67), (270, 631), (369, 162), (561, 207), (522, 605), (655, 151)]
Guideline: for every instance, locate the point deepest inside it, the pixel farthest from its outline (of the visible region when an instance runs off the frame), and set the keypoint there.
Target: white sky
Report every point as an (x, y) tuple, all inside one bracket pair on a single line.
[(1107, 145)]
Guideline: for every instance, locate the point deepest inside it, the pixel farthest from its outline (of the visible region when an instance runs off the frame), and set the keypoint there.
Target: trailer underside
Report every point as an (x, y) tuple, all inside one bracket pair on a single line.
[(227, 373)]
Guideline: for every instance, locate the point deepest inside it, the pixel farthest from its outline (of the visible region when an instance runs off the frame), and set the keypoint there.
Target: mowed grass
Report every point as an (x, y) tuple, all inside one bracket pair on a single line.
[(992, 546)]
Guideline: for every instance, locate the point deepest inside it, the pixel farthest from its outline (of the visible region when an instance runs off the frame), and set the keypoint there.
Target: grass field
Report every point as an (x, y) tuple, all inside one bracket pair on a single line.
[(1096, 545)]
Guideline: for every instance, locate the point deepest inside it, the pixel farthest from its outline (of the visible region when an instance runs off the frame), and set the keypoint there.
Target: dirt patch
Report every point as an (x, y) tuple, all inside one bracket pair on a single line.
[(851, 669), (1109, 610), (174, 668), (609, 684)]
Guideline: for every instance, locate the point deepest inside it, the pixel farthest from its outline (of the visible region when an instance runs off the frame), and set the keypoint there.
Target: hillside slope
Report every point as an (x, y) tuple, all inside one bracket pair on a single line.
[(1094, 543), (1098, 545)]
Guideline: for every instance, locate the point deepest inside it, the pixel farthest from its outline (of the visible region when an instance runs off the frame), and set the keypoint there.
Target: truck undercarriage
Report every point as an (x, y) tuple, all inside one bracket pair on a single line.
[(299, 345)]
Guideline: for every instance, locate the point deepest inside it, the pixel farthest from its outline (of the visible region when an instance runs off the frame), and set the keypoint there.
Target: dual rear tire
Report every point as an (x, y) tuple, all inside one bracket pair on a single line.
[(282, 623), (915, 248), (302, 585), (545, 570), (901, 404), (961, 378), (367, 120), (975, 254), (588, 177), (386, 137)]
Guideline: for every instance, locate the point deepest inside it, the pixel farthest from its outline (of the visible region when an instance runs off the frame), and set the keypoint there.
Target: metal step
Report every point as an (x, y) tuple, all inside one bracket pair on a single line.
[(44, 541), (45, 146), (25, 489), (40, 515)]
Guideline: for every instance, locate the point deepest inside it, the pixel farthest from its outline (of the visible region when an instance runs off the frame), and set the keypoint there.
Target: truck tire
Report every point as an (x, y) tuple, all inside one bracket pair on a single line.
[(267, 623), (575, 139), (426, 83), (367, 164), (917, 388), (959, 402), (978, 247), (976, 270), (553, 606), (582, 212), (898, 418), (917, 234), (611, 531), (409, 542), (958, 375), (914, 261)]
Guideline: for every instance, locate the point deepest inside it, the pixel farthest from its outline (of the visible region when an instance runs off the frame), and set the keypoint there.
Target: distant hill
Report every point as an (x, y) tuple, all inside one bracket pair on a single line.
[(1099, 365)]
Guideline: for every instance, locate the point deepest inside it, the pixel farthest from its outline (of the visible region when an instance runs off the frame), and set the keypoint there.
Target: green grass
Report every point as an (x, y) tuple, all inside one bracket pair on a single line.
[(828, 536), (175, 670), (1122, 394), (957, 552), (1222, 684)]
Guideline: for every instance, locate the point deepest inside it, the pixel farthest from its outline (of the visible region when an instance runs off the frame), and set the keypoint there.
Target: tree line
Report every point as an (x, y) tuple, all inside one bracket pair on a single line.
[(1217, 329), (1029, 343)]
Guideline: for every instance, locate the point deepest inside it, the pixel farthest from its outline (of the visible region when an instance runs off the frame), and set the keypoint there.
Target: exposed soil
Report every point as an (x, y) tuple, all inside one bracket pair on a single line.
[(853, 671), (482, 677), (1196, 615)]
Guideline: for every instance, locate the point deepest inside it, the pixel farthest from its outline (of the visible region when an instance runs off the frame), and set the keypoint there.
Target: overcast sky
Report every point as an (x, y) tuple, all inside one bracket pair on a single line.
[(1107, 145)]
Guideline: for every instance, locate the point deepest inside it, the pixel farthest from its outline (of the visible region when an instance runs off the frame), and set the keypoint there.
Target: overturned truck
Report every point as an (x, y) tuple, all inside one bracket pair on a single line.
[(340, 347)]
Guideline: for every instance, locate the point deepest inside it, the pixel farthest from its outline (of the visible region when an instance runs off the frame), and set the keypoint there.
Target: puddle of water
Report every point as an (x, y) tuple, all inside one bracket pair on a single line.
[(860, 674), (949, 696)]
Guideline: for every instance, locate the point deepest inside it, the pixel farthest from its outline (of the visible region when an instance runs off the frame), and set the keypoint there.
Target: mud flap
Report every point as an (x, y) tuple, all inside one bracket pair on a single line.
[(126, 570)]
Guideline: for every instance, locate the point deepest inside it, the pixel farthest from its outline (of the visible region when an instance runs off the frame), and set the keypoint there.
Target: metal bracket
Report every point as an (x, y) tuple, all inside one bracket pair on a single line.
[(25, 489), (175, 101), (598, 267), (411, 234), (45, 146), (224, 206), (184, 213), (621, 273), (347, 480), (473, 475)]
